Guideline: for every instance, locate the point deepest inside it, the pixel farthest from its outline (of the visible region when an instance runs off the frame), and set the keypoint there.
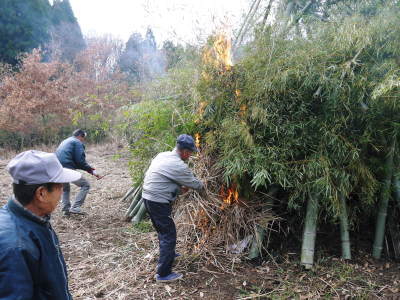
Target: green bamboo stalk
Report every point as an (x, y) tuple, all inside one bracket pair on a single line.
[(266, 14), (396, 188), (344, 229), (140, 214), (309, 234), (136, 209), (383, 204), (396, 179), (244, 23), (256, 246)]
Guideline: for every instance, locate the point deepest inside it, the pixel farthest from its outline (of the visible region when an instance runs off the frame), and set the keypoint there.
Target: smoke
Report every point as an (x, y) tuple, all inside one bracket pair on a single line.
[(141, 59)]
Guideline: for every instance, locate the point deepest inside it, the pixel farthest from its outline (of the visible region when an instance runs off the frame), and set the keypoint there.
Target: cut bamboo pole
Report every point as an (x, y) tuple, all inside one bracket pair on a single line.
[(383, 204), (140, 214), (344, 229), (129, 193), (309, 234), (256, 246), (136, 209), (136, 197)]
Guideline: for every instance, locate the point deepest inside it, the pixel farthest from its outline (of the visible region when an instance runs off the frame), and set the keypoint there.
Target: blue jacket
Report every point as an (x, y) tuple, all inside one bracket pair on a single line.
[(71, 154), (31, 263)]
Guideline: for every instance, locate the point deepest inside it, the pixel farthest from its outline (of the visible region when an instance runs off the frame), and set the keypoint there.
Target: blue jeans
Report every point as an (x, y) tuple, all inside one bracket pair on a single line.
[(80, 198), (160, 215)]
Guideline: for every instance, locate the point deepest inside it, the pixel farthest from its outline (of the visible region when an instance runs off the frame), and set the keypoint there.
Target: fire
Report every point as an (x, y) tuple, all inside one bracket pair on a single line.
[(220, 53), (229, 196), (243, 109), (197, 142)]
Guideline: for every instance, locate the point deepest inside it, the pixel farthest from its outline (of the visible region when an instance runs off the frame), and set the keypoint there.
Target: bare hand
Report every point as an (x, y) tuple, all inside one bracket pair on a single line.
[(184, 189)]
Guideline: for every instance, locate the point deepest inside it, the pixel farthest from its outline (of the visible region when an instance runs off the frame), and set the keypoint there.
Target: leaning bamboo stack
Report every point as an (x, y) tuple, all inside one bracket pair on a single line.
[(136, 210)]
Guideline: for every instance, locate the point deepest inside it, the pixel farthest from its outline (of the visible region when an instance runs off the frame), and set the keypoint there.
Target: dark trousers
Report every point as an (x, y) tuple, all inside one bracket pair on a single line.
[(160, 215)]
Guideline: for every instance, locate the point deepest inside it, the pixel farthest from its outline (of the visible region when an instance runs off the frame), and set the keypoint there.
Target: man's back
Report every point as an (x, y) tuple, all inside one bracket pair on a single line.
[(71, 154), (166, 174)]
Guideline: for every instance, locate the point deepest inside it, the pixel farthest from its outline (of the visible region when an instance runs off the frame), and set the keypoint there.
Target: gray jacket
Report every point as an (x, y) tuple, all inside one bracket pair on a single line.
[(165, 176)]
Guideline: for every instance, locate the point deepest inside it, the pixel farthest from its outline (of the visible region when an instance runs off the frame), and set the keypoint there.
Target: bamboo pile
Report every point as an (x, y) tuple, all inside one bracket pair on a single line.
[(211, 224), (136, 210)]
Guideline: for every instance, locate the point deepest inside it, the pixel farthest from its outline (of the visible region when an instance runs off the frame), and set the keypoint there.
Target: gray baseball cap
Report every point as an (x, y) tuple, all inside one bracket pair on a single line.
[(37, 167)]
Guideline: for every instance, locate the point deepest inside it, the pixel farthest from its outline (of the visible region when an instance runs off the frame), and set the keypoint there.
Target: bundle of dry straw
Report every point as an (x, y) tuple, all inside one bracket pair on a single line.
[(209, 226)]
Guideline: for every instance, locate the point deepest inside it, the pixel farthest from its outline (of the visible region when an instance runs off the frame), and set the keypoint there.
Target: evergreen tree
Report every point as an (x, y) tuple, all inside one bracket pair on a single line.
[(132, 57), (66, 32), (24, 26), (150, 41), (173, 54), (141, 60)]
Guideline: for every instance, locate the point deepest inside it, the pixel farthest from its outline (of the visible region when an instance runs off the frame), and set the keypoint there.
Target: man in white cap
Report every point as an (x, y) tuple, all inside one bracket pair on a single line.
[(31, 263)]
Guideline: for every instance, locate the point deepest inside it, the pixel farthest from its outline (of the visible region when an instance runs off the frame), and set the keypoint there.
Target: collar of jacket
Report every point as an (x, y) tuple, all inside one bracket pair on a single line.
[(175, 152), (17, 208)]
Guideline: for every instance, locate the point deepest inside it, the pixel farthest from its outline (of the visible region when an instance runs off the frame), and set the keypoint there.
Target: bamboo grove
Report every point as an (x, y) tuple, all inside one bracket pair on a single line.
[(316, 115)]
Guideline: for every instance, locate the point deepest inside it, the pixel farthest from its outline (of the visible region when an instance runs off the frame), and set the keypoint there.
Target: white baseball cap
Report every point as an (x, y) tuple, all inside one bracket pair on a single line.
[(37, 167)]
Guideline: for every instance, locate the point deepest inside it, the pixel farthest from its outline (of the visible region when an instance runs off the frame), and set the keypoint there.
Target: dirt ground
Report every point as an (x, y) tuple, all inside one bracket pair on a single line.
[(108, 258)]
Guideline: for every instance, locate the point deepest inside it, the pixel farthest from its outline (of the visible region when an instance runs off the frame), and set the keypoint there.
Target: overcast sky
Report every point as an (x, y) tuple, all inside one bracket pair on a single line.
[(178, 20)]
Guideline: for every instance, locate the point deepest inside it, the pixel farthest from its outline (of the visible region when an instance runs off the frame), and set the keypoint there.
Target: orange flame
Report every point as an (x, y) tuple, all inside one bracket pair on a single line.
[(243, 109), (229, 196), (197, 142), (220, 53)]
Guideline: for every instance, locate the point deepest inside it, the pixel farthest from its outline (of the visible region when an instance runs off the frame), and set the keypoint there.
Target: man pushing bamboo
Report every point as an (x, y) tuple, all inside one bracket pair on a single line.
[(167, 177)]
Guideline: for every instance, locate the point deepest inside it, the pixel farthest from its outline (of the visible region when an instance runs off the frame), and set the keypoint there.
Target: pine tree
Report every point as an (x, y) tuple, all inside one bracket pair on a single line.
[(66, 32), (24, 26), (131, 59)]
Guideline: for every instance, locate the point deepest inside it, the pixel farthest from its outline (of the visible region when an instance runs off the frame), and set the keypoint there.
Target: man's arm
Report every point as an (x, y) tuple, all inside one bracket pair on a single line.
[(15, 274), (184, 177), (80, 158)]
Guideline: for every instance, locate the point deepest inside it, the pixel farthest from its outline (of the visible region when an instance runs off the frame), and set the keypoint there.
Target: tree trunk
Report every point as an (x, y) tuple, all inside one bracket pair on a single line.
[(310, 232), (383, 204), (344, 229)]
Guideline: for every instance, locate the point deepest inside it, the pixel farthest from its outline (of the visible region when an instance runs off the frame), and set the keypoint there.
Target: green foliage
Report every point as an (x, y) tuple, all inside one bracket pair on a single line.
[(152, 127), (24, 25), (144, 226), (314, 115)]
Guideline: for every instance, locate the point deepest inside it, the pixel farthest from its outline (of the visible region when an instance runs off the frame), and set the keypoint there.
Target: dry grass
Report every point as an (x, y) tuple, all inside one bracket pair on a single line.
[(213, 228)]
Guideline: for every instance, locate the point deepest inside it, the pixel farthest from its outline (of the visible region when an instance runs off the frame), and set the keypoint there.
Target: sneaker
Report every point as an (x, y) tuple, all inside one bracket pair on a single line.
[(76, 211), (65, 213), (171, 277)]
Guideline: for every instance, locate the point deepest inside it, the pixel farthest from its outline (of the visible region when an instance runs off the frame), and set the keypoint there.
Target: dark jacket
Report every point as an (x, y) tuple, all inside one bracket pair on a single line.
[(31, 263), (71, 154)]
